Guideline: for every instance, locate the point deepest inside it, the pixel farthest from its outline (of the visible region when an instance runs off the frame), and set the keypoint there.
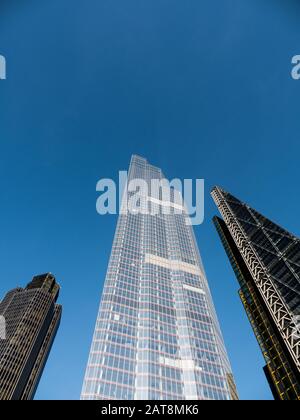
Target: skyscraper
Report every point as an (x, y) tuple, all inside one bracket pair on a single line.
[(157, 335), (31, 320), (266, 261)]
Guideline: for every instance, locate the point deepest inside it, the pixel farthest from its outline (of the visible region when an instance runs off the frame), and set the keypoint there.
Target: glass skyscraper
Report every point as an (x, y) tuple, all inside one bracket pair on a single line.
[(266, 261), (157, 335), (30, 320)]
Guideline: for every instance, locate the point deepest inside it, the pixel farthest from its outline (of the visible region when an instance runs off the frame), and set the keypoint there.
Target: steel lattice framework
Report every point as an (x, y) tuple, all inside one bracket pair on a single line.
[(283, 317)]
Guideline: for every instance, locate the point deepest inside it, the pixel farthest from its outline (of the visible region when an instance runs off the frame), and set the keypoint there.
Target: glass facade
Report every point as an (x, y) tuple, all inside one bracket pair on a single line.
[(32, 318), (157, 336), (266, 261)]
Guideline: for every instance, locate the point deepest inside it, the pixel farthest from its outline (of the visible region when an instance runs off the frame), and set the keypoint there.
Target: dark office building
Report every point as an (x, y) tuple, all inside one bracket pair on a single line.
[(266, 261), (30, 319)]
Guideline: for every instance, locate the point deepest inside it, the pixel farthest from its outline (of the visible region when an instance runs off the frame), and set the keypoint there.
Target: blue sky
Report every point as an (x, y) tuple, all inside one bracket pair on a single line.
[(201, 88)]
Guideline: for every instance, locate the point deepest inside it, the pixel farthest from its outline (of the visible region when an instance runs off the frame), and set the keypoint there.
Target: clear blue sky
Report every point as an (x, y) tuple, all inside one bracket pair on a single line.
[(202, 88)]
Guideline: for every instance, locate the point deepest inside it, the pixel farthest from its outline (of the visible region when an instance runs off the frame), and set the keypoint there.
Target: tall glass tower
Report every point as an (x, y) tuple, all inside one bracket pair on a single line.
[(157, 335), (266, 261), (30, 319)]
